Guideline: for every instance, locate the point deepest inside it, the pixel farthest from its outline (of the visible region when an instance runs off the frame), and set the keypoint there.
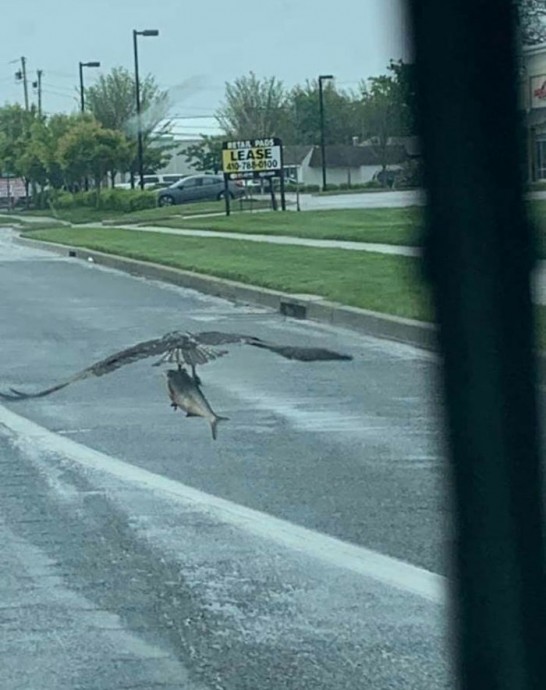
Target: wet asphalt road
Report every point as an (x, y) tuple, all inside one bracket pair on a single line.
[(113, 582)]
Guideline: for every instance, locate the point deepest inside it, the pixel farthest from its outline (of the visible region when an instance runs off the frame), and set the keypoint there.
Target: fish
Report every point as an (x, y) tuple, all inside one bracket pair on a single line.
[(185, 393)]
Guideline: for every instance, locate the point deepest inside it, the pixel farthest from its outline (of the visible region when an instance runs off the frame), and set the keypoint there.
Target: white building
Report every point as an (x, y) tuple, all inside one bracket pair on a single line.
[(185, 131), (346, 164)]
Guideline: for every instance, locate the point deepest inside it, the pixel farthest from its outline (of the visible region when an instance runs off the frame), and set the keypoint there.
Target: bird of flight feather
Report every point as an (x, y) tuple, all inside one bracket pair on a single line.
[(182, 348)]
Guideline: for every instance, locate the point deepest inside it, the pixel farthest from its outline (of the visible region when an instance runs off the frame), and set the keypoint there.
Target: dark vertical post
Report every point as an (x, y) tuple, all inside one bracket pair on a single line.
[(39, 88), (226, 195), (478, 258), (139, 118), (82, 95), (25, 81), (322, 138), (272, 194), (283, 199)]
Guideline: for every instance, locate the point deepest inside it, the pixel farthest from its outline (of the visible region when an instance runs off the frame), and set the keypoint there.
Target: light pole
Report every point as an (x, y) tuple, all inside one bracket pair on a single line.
[(146, 32), (82, 98), (82, 91), (323, 77)]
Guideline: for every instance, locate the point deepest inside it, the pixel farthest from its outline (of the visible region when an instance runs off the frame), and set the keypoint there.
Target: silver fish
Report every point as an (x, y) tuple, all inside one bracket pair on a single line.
[(185, 393)]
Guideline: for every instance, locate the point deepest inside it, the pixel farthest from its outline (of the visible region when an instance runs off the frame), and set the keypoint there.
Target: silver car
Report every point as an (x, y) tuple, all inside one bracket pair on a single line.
[(198, 188)]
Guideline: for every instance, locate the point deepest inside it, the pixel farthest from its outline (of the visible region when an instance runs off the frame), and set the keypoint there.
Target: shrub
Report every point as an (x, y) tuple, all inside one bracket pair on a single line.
[(123, 200)]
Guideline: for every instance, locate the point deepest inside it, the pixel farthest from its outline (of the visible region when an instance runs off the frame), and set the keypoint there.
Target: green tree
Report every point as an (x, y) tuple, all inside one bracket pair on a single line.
[(388, 107), (112, 100), (56, 127), (253, 108), (404, 93), (88, 149), (342, 119), (205, 156), (15, 125)]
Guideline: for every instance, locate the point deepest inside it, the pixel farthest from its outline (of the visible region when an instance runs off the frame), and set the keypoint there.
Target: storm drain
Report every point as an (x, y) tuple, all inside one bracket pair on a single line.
[(297, 311)]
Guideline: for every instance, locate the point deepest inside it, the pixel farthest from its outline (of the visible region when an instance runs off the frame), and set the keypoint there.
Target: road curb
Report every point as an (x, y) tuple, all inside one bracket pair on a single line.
[(370, 323), (417, 333)]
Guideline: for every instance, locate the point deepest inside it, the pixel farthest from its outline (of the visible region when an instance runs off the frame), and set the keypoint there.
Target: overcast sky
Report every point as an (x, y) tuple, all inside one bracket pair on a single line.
[(202, 43)]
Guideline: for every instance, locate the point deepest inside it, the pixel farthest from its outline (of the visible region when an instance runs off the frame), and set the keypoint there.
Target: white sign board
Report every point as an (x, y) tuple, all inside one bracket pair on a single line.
[(538, 91), (252, 158)]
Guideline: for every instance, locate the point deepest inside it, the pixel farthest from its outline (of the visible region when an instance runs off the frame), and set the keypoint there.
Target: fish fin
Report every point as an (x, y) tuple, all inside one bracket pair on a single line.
[(190, 414), (214, 425)]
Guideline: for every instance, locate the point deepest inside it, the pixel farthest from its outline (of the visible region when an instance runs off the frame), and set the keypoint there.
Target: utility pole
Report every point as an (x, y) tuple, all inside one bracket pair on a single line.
[(38, 86), (323, 77), (136, 34), (21, 75)]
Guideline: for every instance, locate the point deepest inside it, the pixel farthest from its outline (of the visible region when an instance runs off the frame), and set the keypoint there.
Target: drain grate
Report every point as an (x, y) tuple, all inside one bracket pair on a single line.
[(297, 311)]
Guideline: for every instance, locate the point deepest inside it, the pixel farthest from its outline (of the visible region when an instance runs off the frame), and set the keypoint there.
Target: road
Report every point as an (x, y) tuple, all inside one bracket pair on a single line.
[(302, 549)]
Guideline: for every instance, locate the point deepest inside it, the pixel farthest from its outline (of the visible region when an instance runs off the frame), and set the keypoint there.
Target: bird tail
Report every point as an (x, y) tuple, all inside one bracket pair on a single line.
[(214, 424)]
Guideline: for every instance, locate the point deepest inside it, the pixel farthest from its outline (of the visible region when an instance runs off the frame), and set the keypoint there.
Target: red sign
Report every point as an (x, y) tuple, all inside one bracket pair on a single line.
[(541, 91)]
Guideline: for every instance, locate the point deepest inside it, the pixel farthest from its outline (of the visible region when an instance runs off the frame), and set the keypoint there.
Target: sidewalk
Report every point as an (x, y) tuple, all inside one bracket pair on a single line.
[(277, 239)]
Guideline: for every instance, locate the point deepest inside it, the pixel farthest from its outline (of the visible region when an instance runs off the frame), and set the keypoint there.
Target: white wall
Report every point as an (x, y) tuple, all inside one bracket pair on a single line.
[(179, 164), (340, 175)]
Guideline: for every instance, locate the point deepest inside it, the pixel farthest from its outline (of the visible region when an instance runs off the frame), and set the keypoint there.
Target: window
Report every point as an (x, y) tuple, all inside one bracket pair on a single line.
[(191, 182), (210, 180), (171, 179)]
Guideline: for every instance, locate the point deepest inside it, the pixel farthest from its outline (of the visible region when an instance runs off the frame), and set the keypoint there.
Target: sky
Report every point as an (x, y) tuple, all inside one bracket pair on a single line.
[(202, 44)]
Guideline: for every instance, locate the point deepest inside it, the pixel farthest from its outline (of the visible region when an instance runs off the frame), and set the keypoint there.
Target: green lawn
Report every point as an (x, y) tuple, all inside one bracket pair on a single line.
[(150, 215), (382, 283), (373, 281), (401, 226), (387, 225)]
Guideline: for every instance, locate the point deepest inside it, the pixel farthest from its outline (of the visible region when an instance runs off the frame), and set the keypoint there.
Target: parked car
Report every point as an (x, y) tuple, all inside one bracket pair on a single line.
[(199, 188), (152, 181)]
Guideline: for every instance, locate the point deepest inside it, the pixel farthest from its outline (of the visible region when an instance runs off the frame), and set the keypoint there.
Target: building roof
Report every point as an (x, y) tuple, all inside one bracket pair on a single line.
[(190, 128), (295, 154), (344, 156)]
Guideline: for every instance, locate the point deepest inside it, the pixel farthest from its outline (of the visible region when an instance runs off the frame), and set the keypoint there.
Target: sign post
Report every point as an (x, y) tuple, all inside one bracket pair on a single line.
[(253, 159), (226, 195)]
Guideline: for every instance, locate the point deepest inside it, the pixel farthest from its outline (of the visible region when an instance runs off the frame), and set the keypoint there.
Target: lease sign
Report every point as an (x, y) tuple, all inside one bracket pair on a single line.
[(252, 158)]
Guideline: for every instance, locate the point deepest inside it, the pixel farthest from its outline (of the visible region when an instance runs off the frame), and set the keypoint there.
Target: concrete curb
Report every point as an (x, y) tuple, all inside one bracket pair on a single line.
[(371, 323), (417, 333)]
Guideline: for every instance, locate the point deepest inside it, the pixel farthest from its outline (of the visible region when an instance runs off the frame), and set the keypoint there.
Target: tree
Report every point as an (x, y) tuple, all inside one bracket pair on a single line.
[(112, 101), (90, 150), (56, 127), (342, 119), (404, 92), (15, 124), (388, 107), (532, 20), (206, 156), (253, 108)]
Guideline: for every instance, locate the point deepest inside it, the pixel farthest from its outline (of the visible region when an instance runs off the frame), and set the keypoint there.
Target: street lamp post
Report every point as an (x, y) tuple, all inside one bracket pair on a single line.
[(82, 98), (147, 32), (82, 91), (323, 77)]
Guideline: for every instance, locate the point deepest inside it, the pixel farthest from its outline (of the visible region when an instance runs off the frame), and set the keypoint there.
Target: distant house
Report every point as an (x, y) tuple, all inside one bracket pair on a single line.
[(346, 164)]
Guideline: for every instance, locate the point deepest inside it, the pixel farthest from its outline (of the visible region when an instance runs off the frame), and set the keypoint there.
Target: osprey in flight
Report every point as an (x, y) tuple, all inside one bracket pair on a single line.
[(183, 349)]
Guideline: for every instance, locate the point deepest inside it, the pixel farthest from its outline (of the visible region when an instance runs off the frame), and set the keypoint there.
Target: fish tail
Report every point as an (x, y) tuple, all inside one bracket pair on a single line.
[(214, 424)]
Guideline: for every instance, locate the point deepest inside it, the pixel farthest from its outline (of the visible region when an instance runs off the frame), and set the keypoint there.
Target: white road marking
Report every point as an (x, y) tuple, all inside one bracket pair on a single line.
[(357, 559)]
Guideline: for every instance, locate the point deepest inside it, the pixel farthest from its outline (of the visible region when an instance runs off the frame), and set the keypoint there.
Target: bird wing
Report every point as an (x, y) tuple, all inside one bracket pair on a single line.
[(191, 351), (301, 354)]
